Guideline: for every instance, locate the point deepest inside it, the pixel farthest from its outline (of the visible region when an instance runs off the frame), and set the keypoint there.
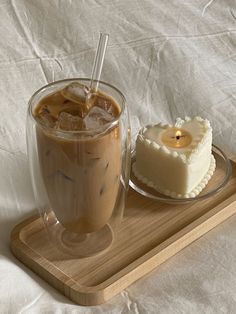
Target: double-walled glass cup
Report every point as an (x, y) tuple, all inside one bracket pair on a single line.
[(80, 178)]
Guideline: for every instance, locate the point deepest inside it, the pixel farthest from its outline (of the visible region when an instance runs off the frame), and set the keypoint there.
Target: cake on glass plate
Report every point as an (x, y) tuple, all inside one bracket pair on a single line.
[(176, 160)]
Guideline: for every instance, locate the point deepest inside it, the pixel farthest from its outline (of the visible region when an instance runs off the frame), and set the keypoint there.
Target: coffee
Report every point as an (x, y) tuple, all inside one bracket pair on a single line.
[(79, 149)]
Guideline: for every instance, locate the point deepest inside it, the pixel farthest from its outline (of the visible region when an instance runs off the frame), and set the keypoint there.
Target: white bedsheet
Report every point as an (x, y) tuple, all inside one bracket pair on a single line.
[(170, 59)]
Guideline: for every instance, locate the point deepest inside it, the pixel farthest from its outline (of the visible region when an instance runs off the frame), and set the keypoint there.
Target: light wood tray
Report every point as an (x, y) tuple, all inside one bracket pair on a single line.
[(149, 234)]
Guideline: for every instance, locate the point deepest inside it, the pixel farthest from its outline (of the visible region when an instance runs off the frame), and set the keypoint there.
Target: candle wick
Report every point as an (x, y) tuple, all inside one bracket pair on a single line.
[(178, 137)]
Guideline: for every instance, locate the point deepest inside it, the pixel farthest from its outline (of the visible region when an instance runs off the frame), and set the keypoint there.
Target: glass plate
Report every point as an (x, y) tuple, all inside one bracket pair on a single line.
[(219, 179)]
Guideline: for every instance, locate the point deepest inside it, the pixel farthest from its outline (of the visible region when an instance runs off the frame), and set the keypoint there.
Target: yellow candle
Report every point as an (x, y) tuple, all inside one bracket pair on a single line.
[(176, 138)]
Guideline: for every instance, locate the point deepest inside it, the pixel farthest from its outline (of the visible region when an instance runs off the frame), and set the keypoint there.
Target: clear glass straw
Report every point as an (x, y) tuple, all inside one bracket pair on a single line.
[(98, 61)]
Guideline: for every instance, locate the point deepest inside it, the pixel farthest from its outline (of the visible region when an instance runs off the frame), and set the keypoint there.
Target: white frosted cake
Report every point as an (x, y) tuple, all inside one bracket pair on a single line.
[(175, 160)]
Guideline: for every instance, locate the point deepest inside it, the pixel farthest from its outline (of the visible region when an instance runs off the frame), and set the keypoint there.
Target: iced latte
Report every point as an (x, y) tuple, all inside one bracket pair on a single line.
[(79, 151)]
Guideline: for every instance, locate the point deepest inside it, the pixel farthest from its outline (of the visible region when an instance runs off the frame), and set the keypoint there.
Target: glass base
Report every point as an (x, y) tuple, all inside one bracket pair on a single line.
[(78, 245)]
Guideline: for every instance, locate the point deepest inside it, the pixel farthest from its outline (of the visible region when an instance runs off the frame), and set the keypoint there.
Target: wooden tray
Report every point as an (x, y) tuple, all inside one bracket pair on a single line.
[(149, 234)]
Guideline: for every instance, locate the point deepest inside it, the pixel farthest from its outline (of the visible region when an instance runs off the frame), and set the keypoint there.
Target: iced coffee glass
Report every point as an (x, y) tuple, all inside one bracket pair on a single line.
[(79, 164)]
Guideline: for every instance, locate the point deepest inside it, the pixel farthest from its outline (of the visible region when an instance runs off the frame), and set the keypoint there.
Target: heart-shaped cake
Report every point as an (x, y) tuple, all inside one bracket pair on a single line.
[(175, 160)]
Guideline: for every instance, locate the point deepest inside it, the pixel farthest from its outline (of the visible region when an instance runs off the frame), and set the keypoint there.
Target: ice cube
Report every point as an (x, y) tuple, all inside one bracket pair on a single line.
[(69, 122), (46, 118), (81, 95), (75, 92), (106, 104), (97, 117)]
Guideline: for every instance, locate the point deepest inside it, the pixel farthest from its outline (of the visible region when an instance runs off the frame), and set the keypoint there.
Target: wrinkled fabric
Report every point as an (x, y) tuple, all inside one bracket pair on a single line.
[(170, 59)]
